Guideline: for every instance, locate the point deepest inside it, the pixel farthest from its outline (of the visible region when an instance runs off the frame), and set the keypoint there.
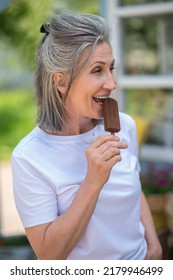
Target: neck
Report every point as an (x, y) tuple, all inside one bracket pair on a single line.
[(73, 129)]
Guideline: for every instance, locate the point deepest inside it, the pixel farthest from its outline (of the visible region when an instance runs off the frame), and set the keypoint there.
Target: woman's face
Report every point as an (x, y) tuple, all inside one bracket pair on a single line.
[(85, 98)]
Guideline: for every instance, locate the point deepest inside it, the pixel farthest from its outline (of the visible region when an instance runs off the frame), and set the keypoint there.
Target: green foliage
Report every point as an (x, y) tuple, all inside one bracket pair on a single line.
[(89, 6), (17, 115), (20, 23), (134, 104), (21, 20)]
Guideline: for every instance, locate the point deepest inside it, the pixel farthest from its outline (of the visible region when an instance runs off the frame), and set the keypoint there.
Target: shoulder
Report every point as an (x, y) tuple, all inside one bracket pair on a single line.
[(127, 121), (128, 128), (25, 144)]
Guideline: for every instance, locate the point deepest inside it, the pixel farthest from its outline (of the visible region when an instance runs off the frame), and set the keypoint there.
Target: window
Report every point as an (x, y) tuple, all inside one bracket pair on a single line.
[(143, 48)]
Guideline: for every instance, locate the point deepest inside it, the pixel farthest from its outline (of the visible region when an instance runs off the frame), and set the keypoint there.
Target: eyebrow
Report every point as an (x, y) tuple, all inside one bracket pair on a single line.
[(101, 62)]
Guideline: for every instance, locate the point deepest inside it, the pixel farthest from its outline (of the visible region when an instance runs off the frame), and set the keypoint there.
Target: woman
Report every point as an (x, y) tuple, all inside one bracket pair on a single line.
[(77, 187)]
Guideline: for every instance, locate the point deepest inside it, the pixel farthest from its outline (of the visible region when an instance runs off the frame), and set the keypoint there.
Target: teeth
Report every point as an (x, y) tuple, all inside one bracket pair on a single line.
[(101, 97)]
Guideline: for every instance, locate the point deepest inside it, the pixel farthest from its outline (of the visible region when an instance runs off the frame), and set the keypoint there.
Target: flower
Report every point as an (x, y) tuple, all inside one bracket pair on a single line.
[(157, 181)]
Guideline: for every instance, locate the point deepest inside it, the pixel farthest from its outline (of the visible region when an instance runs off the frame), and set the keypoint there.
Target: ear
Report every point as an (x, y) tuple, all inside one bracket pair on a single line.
[(60, 81)]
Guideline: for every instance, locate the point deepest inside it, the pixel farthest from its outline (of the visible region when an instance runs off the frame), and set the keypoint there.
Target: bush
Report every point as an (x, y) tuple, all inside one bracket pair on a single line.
[(17, 115)]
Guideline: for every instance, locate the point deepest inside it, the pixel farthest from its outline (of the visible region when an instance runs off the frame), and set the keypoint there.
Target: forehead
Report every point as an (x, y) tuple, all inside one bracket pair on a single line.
[(102, 51)]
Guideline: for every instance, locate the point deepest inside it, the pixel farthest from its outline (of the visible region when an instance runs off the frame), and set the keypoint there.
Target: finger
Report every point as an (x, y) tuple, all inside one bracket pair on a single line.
[(122, 145), (106, 146), (103, 139), (112, 144), (113, 160), (110, 153)]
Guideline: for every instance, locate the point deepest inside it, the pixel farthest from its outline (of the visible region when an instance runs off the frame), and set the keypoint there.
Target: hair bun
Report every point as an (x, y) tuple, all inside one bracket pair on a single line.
[(45, 28)]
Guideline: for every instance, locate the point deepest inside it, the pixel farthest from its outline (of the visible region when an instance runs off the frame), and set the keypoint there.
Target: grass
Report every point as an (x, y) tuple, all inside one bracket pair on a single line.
[(17, 115)]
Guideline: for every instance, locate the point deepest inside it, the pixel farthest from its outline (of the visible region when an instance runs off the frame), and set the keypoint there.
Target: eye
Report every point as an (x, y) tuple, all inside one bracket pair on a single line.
[(97, 70), (112, 68)]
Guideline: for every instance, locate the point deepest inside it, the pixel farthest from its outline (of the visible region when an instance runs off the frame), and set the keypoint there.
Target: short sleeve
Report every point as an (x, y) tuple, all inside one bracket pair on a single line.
[(35, 197)]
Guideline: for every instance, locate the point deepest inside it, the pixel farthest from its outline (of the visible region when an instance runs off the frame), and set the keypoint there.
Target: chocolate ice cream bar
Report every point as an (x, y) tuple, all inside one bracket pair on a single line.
[(111, 115)]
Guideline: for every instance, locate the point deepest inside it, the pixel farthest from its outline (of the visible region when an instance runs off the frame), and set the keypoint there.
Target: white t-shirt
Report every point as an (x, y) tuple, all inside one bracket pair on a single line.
[(47, 172)]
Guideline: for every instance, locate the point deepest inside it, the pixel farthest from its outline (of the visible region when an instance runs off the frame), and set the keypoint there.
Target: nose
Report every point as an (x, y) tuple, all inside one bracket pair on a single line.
[(110, 82)]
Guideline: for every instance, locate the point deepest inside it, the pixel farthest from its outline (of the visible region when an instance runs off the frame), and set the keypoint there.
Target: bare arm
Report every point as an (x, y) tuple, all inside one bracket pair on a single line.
[(56, 240), (154, 251)]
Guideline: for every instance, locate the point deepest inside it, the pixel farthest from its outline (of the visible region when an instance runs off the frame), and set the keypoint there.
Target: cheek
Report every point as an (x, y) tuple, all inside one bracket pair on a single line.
[(98, 82), (93, 85), (76, 101), (81, 93)]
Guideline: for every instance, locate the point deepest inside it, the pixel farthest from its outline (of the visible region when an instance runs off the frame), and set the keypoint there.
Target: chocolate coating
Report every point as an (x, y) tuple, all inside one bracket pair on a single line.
[(111, 115)]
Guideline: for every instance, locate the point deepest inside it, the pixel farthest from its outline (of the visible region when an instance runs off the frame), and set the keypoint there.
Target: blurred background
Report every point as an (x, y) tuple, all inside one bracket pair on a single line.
[(142, 41)]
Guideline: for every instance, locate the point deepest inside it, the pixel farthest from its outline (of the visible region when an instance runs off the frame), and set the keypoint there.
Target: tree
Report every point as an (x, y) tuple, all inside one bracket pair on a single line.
[(21, 20), (20, 23), (83, 6)]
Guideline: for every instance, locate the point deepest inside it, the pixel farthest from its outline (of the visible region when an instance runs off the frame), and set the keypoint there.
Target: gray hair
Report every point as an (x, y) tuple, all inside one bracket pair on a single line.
[(67, 38)]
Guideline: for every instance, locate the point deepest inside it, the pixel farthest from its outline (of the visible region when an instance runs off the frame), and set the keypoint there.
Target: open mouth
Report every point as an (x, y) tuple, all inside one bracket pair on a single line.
[(100, 99)]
